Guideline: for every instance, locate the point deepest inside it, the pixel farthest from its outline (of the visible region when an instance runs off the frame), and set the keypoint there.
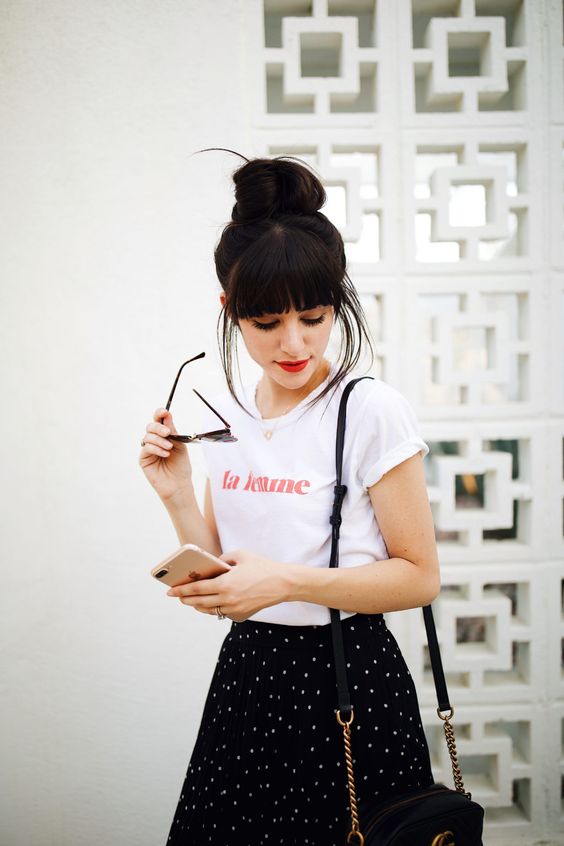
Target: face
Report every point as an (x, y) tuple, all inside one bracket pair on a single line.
[(289, 347)]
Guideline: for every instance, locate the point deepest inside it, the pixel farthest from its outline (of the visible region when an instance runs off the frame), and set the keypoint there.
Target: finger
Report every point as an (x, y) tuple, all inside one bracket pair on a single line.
[(206, 603), (210, 612), (157, 440), (230, 557), (158, 429), (151, 448), (203, 587), (189, 589), (164, 417)]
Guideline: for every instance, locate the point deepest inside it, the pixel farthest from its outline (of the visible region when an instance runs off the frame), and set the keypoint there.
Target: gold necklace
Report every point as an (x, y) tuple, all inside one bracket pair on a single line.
[(268, 433)]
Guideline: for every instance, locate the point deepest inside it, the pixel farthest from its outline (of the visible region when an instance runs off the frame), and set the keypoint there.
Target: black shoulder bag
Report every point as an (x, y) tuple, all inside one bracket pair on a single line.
[(431, 816)]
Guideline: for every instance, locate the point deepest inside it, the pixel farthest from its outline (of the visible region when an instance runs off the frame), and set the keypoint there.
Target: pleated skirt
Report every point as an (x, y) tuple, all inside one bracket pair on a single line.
[(268, 765)]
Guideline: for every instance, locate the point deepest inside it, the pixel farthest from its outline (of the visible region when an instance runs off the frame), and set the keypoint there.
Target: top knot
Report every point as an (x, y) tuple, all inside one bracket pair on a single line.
[(269, 187)]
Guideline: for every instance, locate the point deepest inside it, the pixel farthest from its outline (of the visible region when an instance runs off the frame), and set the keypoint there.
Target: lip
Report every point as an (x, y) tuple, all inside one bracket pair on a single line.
[(293, 366)]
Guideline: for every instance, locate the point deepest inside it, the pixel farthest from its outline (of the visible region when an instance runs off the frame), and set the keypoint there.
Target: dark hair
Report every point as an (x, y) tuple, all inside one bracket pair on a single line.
[(280, 252)]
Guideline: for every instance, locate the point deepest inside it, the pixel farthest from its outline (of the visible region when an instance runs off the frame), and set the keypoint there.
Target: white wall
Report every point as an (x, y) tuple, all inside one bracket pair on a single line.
[(108, 227)]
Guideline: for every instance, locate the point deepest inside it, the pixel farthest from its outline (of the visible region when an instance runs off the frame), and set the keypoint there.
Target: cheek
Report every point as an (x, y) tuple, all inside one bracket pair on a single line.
[(257, 341), (324, 336)]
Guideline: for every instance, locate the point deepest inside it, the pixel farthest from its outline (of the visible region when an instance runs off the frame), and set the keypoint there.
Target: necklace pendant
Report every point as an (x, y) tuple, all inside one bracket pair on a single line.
[(268, 434)]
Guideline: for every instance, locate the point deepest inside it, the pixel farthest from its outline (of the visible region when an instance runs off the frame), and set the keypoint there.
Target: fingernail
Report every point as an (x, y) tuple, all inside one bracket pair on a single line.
[(170, 592)]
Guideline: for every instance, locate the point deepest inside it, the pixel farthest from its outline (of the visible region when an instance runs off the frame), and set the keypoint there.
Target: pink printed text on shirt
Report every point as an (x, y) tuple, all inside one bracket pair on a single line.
[(265, 484)]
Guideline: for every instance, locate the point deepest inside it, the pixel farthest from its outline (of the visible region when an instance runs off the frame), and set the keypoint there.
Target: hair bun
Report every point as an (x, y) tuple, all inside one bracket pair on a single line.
[(270, 187)]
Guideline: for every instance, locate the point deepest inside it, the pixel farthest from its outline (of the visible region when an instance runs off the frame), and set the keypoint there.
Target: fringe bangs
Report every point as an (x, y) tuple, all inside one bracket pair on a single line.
[(284, 269)]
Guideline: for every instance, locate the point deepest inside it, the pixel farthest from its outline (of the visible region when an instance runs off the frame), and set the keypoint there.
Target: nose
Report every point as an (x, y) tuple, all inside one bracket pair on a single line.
[(291, 342)]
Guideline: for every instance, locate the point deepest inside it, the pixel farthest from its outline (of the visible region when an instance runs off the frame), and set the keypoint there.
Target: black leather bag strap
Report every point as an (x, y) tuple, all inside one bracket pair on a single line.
[(340, 490), (436, 661)]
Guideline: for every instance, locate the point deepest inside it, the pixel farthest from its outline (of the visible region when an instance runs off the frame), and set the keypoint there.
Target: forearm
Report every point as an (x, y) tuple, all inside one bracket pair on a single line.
[(189, 522), (393, 584)]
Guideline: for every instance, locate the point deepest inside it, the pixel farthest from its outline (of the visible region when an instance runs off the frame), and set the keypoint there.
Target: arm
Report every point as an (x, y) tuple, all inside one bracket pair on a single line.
[(190, 525), (408, 579)]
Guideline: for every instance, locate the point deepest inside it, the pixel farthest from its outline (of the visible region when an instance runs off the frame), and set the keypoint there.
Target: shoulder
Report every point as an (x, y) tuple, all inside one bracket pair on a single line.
[(383, 428), (375, 397), (380, 415)]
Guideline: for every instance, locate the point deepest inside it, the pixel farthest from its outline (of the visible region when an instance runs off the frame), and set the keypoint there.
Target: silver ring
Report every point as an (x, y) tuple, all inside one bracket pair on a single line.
[(142, 443), (219, 612)]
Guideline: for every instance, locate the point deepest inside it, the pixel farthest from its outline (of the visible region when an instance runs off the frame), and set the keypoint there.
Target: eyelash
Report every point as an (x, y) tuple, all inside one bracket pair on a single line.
[(312, 321)]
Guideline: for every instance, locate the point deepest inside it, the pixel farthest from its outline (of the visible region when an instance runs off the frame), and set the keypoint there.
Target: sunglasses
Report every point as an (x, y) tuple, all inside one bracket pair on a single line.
[(220, 435)]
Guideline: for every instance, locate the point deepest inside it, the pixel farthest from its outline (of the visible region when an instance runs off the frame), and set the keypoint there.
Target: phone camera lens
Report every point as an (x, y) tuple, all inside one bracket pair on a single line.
[(160, 574)]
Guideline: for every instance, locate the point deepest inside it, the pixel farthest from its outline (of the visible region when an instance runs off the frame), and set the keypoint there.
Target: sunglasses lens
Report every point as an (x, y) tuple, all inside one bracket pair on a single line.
[(214, 437), (221, 435)]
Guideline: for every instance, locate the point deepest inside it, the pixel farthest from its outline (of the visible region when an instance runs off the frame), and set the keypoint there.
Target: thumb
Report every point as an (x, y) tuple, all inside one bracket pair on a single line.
[(228, 557)]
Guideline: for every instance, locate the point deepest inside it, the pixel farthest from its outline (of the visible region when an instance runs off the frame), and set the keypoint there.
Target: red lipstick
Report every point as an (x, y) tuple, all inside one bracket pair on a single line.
[(293, 366)]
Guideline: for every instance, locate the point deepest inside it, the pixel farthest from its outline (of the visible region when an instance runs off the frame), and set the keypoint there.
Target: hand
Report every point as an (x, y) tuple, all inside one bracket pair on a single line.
[(165, 463), (254, 583)]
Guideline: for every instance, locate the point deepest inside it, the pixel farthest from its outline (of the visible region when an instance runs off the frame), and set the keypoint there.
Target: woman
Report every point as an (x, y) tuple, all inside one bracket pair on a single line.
[(268, 764)]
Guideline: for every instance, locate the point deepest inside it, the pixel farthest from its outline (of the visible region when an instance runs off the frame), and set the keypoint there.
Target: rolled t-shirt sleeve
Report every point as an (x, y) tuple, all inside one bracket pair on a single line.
[(389, 433)]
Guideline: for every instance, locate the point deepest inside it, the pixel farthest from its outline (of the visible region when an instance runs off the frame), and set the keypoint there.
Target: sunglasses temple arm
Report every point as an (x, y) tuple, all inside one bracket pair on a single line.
[(169, 400), (217, 414)]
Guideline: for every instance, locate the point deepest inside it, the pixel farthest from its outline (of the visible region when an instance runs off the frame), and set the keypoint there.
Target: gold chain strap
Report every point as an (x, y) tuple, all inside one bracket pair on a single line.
[(354, 834), (451, 744)]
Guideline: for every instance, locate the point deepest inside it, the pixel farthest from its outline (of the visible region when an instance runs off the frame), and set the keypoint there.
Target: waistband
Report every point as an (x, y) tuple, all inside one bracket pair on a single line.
[(275, 635)]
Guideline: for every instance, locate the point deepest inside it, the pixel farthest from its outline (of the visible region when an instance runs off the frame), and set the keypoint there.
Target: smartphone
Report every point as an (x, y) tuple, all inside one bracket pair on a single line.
[(188, 564)]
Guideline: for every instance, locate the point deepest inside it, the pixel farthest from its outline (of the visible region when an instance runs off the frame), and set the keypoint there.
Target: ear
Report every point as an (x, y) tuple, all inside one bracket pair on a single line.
[(222, 299)]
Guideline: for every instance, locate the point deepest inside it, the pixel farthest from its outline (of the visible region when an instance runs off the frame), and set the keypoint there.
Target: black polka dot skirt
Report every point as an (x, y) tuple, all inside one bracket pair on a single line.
[(268, 765)]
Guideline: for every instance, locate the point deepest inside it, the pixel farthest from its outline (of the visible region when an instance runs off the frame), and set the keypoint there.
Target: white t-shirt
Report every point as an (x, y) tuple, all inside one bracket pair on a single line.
[(274, 497)]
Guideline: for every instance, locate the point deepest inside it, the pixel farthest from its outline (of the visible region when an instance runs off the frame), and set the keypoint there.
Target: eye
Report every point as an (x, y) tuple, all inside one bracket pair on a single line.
[(265, 326), (309, 321), (313, 321)]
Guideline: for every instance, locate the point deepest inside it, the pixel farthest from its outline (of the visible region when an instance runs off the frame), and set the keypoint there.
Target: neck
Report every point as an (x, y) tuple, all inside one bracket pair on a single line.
[(274, 400)]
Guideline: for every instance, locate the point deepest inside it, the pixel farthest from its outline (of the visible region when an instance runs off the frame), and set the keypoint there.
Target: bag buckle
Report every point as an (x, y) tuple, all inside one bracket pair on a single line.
[(335, 518)]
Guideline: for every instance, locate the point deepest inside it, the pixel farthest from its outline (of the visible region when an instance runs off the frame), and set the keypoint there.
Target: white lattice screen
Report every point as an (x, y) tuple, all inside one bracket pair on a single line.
[(438, 127)]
